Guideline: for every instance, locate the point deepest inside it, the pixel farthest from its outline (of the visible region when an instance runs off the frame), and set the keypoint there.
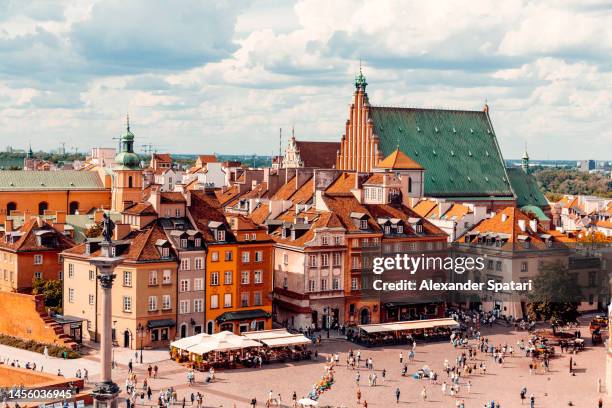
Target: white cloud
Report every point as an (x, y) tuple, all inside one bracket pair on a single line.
[(225, 77)]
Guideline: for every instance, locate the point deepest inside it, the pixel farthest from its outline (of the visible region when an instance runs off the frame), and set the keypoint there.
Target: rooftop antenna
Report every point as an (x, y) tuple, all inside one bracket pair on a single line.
[(280, 144)]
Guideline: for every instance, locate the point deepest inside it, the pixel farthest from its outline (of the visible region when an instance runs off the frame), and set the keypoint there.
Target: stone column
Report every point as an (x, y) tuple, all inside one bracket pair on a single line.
[(609, 354), (106, 391)]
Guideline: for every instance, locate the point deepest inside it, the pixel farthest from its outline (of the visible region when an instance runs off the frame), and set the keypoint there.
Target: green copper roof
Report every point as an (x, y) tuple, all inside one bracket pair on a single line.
[(537, 211), (525, 188), (127, 159), (457, 148), (23, 180)]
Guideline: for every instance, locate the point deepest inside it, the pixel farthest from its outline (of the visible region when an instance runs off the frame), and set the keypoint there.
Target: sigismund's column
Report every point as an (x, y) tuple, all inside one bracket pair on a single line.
[(106, 391)]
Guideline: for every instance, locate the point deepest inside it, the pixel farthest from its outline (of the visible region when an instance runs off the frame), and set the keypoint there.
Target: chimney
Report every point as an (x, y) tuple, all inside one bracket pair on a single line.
[(121, 231), (522, 225), (8, 225), (27, 215), (60, 217), (533, 224)]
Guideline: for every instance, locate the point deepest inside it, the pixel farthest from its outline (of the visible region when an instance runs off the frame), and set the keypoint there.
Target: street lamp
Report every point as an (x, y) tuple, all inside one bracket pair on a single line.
[(141, 330), (327, 319)]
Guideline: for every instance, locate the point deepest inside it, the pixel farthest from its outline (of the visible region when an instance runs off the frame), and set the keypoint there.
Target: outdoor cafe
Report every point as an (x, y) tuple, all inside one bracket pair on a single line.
[(372, 335), (228, 350)]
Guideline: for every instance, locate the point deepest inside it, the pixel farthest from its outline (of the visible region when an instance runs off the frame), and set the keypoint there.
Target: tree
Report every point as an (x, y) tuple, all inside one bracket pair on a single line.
[(555, 296), (50, 289), (94, 231)]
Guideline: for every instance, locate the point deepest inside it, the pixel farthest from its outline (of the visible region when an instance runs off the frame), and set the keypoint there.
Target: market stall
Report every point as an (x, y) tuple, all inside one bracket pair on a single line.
[(404, 332), (280, 345)]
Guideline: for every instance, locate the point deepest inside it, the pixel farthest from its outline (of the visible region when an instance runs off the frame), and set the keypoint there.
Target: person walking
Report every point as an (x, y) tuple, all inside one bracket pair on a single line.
[(600, 403), (130, 366), (397, 395), (424, 394), (523, 395), (358, 395), (532, 401), (401, 357), (383, 375), (149, 370)]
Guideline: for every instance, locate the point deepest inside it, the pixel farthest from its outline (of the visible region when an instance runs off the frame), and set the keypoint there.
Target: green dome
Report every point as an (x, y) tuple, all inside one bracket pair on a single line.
[(127, 159)]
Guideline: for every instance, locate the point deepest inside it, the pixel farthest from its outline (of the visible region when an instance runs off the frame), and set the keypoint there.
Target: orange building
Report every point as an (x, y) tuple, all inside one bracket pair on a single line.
[(30, 252), (238, 268)]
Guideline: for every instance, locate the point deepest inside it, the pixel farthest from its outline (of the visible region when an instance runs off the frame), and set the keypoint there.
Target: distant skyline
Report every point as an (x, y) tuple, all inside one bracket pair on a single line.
[(203, 76)]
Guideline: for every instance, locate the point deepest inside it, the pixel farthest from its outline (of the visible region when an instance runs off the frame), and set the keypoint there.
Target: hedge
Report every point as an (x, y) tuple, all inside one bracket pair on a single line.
[(31, 345)]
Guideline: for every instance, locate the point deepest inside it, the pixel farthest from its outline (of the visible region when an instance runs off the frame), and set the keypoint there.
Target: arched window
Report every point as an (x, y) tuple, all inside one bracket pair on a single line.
[(210, 327), (130, 182), (11, 207), (42, 207), (74, 207), (410, 184)]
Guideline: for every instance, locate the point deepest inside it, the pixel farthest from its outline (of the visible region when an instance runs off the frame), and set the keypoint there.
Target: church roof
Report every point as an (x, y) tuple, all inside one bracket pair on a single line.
[(525, 188), (318, 154), (458, 149), (399, 161), (20, 180)]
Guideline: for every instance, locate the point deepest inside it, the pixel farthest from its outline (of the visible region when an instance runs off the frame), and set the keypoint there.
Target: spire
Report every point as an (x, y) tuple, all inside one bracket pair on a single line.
[(485, 108), (127, 121), (360, 80), (525, 160), (30, 152)]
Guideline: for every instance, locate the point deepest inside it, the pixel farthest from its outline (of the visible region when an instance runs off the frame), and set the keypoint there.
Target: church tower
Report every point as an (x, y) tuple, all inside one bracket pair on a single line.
[(359, 146), (127, 177), (525, 161)]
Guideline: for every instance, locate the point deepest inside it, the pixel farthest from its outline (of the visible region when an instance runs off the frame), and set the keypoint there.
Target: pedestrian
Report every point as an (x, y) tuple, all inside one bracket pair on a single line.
[(253, 402), (357, 377), (149, 393), (532, 401), (401, 357), (523, 395), (149, 369), (192, 397), (46, 352), (85, 374), (600, 403), (365, 404), (130, 366), (424, 394), (397, 395), (383, 374), (358, 394), (155, 371)]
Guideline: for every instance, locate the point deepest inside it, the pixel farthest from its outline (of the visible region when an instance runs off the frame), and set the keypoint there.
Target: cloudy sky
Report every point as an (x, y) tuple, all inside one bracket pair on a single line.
[(215, 76)]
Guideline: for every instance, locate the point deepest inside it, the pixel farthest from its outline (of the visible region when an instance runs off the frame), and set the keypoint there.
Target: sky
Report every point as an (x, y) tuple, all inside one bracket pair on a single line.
[(216, 76)]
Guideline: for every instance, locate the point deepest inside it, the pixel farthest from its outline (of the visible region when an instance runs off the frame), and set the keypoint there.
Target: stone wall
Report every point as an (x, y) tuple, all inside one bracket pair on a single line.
[(24, 316)]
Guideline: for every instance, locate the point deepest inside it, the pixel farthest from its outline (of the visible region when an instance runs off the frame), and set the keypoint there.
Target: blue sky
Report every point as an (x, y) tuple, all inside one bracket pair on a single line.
[(204, 76)]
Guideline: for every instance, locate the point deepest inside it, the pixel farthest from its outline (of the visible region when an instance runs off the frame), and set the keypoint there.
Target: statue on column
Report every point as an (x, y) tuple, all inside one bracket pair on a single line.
[(107, 228)]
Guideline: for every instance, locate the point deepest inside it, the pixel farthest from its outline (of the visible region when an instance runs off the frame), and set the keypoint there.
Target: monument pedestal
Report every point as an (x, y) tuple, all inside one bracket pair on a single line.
[(105, 395)]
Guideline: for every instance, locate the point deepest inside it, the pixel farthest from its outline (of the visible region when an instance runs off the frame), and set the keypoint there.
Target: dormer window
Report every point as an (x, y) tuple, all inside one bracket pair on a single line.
[(324, 240), (418, 228), (220, 235), (363, 224), (387, 230), (197, 242), (400, 229), (165, 252), (184, 243), (113, 251)]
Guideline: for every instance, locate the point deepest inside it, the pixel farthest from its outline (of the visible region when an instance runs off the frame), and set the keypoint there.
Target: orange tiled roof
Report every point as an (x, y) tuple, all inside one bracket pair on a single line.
[(228, 195), (456, 210), (28, 242), (172, 197), (376, 178), (205, 207), (604, 223), (260, 213), (425, 208), (286, 190), (141, 209), (342, 185), (207, 158), (303, 194), (259, 191), (399, 161), (162, 157)]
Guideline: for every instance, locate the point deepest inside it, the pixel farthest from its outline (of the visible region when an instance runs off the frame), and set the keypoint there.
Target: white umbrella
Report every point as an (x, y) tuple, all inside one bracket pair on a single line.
[(307, 402)]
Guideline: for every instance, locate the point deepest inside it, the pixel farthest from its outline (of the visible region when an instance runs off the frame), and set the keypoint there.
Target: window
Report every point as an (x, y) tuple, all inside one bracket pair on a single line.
[(70, 295), (246, 257), (311, 285), (198, 263), (165, 252), (166, 302), (312, 261), (498, 266), (167, 277), (285, 259), (92, 274), (229, 255), (338, 240), (38, 259), (355, 262), (257, 299), (37, 275), (336, 259), (365, 242), (227, 300), (155, 335), (198, 284), (244, 299), (335, 284), (258, 256), (214, 278), (152, 277), (418, 228), (324, 259), (127, 278), (227, 278), (91, 299), (258, 277), (183, 242), (152, 303), (184, 307), (400, 229), (177, 212), (185, 264), (71, 270), (244, 277), (214, 256), (354, 284), (323, 284), (197, 242), (412, 246), (490, 264), (214, 301), (220, 235), (184, 285), (363, 224), (324, 240), (524, 267), (198, 305), (127, 304), (592, 278)]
